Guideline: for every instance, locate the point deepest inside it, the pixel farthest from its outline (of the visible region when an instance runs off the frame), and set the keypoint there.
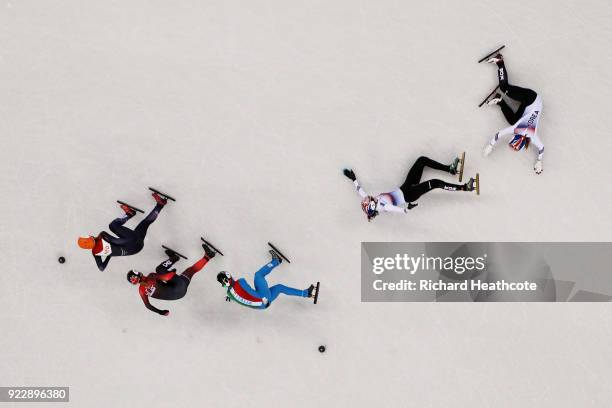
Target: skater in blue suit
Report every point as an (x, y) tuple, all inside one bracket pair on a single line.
[(262, 296)]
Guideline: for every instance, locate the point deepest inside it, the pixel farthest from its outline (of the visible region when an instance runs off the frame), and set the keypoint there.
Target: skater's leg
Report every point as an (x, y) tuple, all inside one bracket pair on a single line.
[(416, 171), (195, 268), (143, 226), (523, 95), (286, 290), (413, 193), (502, 76), (122, 220), (261, 285), (509, 114), (267, 268), (167, 265), (525, 102), (435, 183), (116, 226)]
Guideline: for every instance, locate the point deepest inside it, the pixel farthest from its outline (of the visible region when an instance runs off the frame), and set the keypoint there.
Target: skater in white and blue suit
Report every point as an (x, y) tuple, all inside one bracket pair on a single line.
[(524, 122), (402, 199)]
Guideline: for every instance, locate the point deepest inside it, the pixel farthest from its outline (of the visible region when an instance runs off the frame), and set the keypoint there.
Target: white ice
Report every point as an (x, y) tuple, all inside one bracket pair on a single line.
[(247, 112)]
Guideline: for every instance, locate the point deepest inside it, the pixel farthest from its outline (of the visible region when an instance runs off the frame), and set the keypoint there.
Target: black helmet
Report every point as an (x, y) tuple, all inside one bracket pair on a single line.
[(134, 277), (223, 278)]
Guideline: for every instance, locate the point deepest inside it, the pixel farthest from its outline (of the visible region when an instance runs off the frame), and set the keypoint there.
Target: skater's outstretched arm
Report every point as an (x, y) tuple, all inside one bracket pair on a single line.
[(538, 167), (394, 208), (350, 174), (111, 239), (537, 142), (145, 299), (360, 190), (102, 264), (505, 133)]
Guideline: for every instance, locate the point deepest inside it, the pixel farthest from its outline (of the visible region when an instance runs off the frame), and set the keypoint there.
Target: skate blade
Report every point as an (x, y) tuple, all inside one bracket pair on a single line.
[(164, 195), (316, 296), (131, 206), (212, 246), (279, 252), (178, 253), (485, 100), (491, 54)]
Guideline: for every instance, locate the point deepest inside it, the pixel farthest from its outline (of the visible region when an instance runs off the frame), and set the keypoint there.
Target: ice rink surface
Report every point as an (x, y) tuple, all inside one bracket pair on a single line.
[(246, 112)]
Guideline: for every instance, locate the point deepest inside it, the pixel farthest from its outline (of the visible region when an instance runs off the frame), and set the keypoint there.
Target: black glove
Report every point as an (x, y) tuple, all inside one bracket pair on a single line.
[(164, 312), (350, 174), (411, 206)]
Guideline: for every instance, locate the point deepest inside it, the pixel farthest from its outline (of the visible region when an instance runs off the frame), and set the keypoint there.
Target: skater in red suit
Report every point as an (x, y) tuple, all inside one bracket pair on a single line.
[(127, 242), (165, 284)]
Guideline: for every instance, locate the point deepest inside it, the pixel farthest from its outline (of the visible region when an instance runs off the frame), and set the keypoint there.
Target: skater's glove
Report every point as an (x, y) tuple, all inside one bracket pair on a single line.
[(410, 207), (538, 167), (487, 150), (350, 174), (164, 312)]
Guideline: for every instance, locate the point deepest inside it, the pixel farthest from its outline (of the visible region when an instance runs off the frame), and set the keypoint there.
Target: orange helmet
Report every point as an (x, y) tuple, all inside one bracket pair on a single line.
[(87, 242)]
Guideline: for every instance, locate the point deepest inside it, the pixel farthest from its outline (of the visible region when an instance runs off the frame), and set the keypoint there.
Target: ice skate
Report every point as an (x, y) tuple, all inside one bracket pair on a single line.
[(495, 59), (159, 199), (129, 211), (493, 54), (494, 100), (454, 166), (470, 185), (211, 246), (275, 256), (172, 253), (457, 166), (278, 253), (210, 253), (473, 184), (493, 94), (313, 292), (173, 256)]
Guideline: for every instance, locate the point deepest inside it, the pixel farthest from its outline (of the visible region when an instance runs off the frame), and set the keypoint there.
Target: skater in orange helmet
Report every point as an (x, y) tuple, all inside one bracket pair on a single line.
[(127, 242)]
